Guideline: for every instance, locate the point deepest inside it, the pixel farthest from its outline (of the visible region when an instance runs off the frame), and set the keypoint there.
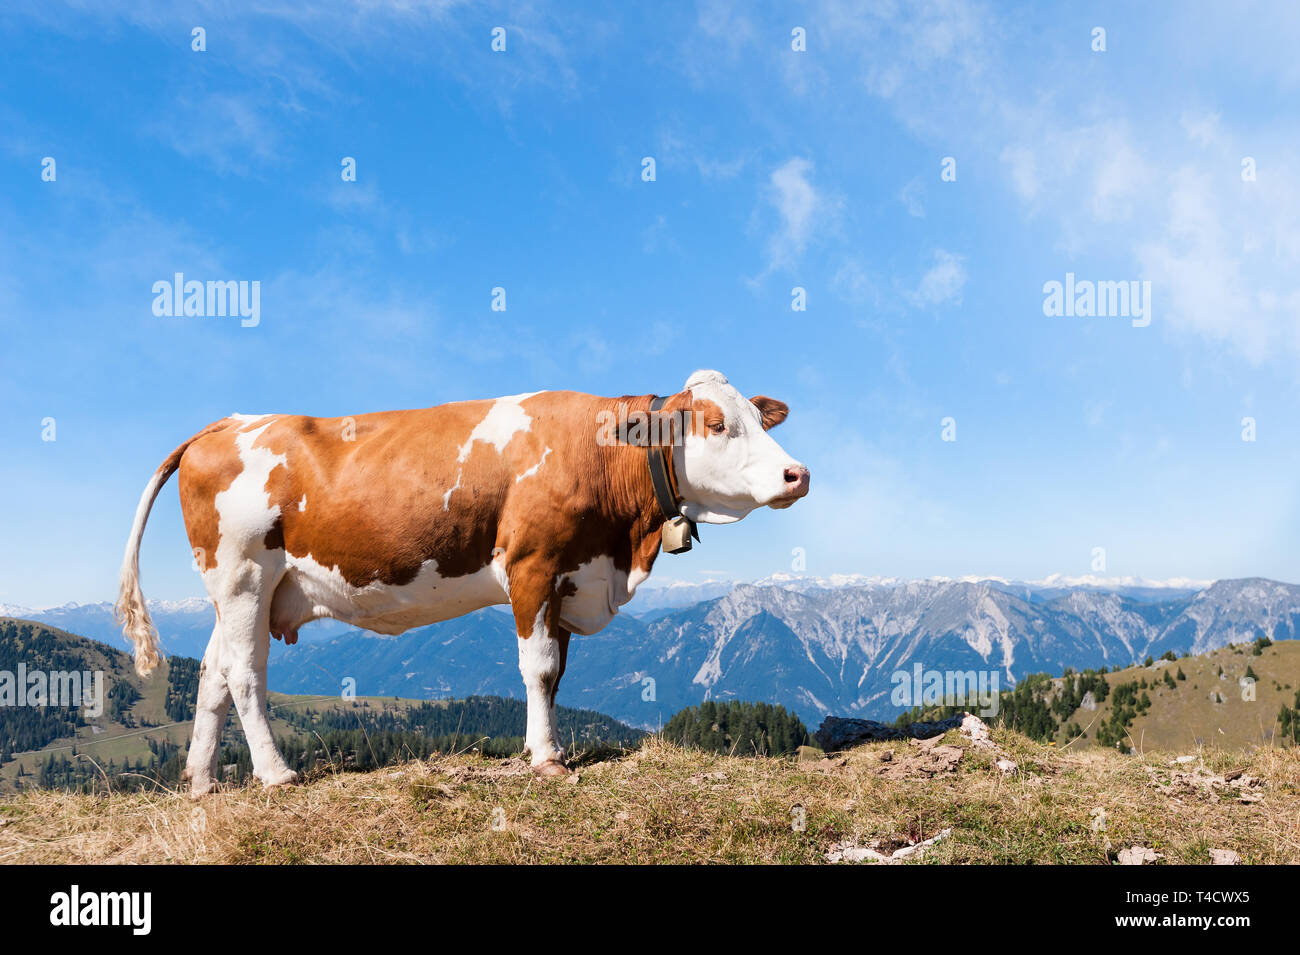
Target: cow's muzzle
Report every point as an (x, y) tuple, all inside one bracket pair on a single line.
[(796, 486)]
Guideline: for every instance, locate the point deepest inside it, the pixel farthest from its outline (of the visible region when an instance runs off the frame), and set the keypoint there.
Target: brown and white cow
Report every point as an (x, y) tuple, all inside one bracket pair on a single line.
[(398, 519)]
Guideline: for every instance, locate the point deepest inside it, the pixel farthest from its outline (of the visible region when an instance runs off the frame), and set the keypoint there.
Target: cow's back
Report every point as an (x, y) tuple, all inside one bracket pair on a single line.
[(373, 496)]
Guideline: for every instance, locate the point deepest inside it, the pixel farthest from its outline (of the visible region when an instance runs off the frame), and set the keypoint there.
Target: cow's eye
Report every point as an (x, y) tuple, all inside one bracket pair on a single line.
[(717, 427)]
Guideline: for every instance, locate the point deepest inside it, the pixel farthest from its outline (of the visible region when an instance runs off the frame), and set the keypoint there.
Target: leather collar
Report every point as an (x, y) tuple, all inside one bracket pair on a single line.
[(659, 459)]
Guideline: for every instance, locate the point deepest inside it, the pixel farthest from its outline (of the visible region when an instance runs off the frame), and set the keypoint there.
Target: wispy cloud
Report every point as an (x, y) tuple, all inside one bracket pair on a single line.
[(800, 209), (942, 283)]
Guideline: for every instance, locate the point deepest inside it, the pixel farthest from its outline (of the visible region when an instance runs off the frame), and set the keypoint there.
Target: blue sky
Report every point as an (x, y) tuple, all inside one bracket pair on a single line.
[(774, 169)]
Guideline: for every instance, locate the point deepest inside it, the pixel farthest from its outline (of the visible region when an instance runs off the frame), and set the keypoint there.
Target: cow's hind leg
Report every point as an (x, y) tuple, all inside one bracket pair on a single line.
[(543, 649), (245, 643), (209, 720)]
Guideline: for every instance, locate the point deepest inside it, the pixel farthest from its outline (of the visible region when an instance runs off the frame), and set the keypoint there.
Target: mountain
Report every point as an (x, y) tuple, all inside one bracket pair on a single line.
[(815, 647), (818, 646), (653, 601)]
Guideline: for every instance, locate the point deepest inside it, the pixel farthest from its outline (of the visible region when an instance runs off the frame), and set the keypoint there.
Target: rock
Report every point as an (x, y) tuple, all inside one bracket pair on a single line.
[(848, 852), (926, 759), (1199, 780), (829, 765), (977, 731), (837, 732), (1138, 855), (1184, 759), (1006, 766), (700, 778), (1224, 857), (887, 755), (572, 779)]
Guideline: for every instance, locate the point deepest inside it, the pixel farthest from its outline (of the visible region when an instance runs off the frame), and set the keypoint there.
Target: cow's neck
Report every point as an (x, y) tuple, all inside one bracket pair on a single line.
[(631, 491)]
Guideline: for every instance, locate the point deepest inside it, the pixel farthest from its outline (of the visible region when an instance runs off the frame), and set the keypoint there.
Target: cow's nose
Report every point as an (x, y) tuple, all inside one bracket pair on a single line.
[(796, 481)]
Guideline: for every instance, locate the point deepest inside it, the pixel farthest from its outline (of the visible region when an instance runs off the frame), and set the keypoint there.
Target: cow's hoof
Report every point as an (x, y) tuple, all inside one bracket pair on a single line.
[(200, 785), (552, 767), (286, 778)]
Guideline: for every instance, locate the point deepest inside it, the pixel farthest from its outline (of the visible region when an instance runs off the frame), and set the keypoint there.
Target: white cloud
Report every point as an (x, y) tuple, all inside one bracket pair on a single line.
[(910, 196), (942, 283), (221, 129), (852, 284), (798, 205)]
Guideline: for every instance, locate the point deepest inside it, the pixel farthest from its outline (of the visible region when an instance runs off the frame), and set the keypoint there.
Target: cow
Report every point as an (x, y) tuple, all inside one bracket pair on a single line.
[(548, 502)]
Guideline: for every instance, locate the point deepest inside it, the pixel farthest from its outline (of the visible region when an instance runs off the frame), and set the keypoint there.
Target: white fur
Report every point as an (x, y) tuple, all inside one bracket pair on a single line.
[(446, 497), (504, 420), (131, 610), (310, 590), (539, 665), (534, 469), (722, 477), (602, 589)]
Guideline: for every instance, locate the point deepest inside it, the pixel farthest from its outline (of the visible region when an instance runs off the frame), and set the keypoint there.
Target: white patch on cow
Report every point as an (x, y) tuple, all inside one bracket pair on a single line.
[(601, 589), (246, 419), (498, 568), (244, 509), (302, 505), (504, 420), (533, 470), (446, 498), (310, 590), (539, 665), (635, 579)]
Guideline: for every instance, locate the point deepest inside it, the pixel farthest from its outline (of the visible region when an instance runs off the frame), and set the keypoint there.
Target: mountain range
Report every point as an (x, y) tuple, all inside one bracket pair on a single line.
[(817, 646)]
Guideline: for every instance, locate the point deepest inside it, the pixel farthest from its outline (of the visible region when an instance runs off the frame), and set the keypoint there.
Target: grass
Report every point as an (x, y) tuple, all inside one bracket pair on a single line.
[(664, 804), (1185, 717)]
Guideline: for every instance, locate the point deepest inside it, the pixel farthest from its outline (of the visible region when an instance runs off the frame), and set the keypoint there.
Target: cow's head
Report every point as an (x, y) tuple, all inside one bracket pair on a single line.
[(728, 464)]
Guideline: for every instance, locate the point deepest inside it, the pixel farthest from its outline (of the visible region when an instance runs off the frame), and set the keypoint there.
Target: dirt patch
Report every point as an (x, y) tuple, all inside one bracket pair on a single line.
[(503, 768), (924, 758), (1235, 785)]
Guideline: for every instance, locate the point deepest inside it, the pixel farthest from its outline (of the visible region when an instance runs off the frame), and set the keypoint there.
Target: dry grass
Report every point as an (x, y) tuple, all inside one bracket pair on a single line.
[(665, 804)]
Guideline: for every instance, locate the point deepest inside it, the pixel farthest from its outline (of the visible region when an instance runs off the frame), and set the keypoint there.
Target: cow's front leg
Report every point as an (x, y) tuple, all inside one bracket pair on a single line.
[(543, 649)]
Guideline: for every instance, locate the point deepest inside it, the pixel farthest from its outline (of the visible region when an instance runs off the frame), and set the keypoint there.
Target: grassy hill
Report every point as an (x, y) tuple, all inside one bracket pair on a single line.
[(1207, 706), (662, 803), (1205, 776)]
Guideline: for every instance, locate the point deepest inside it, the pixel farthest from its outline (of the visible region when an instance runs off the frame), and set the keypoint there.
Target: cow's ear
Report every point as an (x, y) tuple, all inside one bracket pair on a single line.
[(773, 411)]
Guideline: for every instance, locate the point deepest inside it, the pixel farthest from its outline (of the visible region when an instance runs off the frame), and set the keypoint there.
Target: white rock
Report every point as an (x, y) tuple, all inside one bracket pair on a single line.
[(977, 731), (1138, 855)]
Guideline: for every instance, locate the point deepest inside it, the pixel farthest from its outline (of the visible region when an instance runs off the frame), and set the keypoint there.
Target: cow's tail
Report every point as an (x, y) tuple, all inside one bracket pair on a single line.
[(131, 611)]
